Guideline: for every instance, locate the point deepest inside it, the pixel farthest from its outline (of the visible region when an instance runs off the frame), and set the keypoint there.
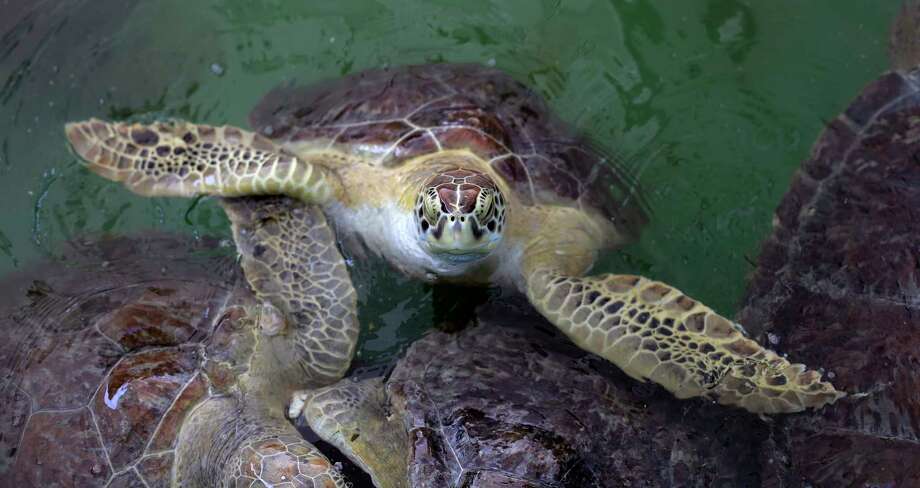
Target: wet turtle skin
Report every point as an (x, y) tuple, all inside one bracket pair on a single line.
[(838, 284), (513, 403), (104, 355)]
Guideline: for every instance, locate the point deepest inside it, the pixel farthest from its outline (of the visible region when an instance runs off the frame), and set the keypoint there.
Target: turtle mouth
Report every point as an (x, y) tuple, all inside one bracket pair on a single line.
[(459, 242), (458, 256), (459, 250)]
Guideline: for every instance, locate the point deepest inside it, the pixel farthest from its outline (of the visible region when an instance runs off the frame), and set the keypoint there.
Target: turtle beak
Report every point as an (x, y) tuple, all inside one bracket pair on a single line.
[(459, 236)]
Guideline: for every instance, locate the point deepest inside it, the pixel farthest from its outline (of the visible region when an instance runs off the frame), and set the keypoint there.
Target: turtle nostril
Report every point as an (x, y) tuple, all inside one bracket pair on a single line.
[(462, 219)]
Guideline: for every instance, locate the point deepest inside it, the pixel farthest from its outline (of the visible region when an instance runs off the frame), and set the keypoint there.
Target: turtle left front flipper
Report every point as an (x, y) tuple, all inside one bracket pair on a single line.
[(654, 332), (181, 159), (289, 256)]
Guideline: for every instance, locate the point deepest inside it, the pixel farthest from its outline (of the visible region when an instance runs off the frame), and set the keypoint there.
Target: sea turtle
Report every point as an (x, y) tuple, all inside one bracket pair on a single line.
[(149, 363), (842, 266), (455, 173), (511, 402)]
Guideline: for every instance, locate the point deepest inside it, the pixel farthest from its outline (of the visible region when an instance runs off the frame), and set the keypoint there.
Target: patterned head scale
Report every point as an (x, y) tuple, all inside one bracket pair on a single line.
[(460, 214)]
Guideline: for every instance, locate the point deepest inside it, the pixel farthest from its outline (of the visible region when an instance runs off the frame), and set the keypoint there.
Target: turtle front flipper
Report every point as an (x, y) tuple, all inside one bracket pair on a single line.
[(289, 256), (225, 442), (184, 159), (354, 417), (654, 332)]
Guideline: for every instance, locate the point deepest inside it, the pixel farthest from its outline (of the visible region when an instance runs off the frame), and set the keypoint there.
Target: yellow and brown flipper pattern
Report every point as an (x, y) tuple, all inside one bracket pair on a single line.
[(183, 159), (654, 332)]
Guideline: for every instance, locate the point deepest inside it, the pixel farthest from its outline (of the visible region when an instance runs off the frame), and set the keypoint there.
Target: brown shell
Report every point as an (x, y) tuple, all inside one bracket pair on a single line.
[(838, 284), (101, 360), (514, 403), (398, 113)]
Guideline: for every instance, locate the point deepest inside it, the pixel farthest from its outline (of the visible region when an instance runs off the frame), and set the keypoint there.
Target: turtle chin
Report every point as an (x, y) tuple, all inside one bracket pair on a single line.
[(454, 258)]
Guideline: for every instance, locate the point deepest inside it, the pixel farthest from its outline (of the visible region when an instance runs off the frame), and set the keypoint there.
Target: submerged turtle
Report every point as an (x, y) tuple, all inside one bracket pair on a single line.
[(842, 265), (454, 173), (149, 363), (512, 403)]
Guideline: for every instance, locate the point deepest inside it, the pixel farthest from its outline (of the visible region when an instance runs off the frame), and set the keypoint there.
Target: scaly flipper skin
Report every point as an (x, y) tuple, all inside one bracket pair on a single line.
[(184, 159), (354, 417), (289, 256), (654, 332), (228, 444)]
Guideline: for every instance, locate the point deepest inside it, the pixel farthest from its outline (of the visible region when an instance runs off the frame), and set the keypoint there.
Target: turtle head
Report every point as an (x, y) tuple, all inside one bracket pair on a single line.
[(460, 215)]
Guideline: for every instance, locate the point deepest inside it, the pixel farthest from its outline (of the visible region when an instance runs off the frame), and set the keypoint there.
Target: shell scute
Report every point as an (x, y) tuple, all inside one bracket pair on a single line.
[(469, 138), (416, 142), (127, 479), (378, 134), (193, 393), (139, 389), (146, 323), (79, 460), (83, 357), (462, 112)]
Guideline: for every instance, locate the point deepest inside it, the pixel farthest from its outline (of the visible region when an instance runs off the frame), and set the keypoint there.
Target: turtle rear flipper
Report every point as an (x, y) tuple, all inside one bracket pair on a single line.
[(354, 417), (184, 159)]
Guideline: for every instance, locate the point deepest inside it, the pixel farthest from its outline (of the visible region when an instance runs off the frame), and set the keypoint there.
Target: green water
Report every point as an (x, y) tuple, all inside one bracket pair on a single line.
[(715, 102)]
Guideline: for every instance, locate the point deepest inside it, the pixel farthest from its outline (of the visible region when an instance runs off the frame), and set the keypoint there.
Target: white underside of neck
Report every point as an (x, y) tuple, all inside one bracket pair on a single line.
[(390, 232)]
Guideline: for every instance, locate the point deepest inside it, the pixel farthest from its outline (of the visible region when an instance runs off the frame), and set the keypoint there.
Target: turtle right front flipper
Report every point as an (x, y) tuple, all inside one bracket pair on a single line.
[(184, 159), (653, 331)]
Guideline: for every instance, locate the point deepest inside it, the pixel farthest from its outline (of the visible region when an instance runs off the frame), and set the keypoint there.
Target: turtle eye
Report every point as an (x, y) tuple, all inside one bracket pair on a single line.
[(432, 206), (485, 205)]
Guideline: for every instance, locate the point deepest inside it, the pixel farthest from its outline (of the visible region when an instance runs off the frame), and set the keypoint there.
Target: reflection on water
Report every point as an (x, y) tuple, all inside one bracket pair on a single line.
[(713, 102)]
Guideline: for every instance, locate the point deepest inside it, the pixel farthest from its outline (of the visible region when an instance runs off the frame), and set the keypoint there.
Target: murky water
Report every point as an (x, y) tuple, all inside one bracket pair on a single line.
[(714, 102)]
